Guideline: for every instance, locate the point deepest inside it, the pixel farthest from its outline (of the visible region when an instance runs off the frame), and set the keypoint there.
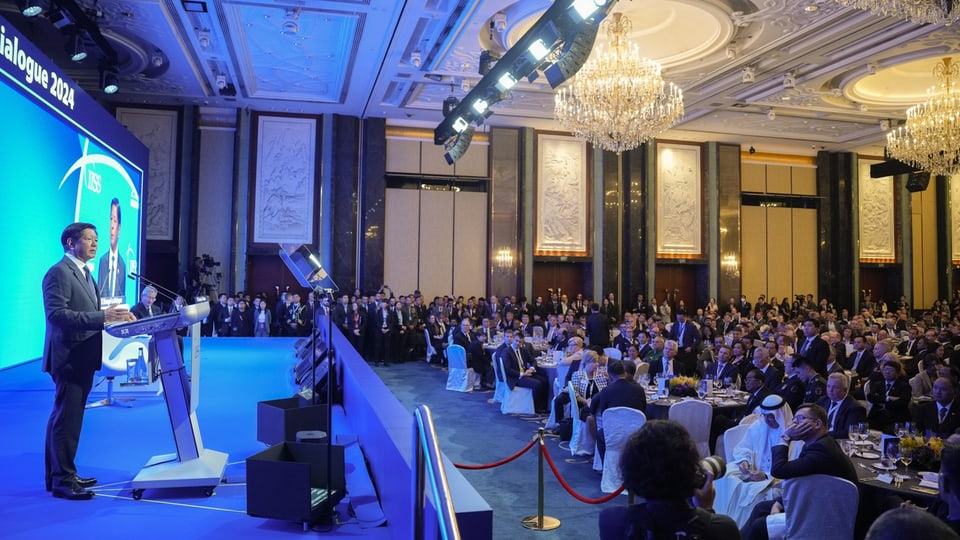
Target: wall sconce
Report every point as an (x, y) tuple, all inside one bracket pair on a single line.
[(504, 259), (730, 265)]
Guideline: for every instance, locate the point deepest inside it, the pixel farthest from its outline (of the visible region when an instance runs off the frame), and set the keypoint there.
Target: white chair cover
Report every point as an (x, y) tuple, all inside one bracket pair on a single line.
[(618, 424), (696, 416), (866, 392), (642, 369), (459, 377), (501, 389), (538, 332), (519, 400), (431, 350), (613, 353), (831, 499), (582, 442)]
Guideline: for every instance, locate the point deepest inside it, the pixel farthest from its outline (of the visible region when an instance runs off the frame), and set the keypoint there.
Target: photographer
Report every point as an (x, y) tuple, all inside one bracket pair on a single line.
[(661, 465)]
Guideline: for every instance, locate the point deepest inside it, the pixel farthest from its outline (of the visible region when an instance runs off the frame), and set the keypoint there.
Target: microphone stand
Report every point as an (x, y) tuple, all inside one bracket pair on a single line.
[(160, 288)]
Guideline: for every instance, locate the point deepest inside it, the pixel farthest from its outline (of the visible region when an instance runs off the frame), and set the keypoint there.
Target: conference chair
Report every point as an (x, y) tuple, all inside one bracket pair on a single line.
[(582, 442), (618, 424), (832, 500), (696, 416), (518, 400), (613, 353), (460, 378)]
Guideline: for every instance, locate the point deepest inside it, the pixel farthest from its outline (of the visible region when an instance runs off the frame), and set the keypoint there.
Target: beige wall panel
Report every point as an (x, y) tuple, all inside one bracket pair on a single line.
[(470, 244), (917, 299), (436, 243), (929, 227), (804, 180), (473, 162), (805, 252), (778, 179), (753, 251), (403, 156), (779, 252), (753, 177), (432, 161), (401, 226)]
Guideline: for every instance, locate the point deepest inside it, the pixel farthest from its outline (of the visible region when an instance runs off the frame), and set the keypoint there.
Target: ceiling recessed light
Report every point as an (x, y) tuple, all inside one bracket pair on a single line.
[(811, 8)]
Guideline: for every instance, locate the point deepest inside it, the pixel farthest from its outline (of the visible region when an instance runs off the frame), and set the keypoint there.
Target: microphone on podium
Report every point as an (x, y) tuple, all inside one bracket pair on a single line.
[(166, 292)]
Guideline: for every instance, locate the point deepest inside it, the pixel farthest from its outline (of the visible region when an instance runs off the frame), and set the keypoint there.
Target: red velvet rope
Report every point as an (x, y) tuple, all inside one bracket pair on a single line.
[(497, 463), (570, 490)]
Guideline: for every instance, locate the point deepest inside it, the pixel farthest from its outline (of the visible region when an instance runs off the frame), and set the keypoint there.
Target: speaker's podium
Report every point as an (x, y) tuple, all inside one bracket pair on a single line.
[(192, 465)]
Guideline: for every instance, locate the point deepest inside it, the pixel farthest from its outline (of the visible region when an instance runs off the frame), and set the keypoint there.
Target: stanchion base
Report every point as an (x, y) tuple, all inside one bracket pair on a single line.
[(549, 523)]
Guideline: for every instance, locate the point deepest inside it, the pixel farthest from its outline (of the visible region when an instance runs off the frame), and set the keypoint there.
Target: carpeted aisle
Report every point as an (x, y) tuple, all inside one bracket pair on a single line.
[(472, 431)]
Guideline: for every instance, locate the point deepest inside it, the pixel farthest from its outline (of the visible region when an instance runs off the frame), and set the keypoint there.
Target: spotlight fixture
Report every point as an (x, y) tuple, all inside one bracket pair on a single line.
[(291, 22), (416, 58), (789, 80), (748, 75), (109, 82), (30, 8), (77, 50)]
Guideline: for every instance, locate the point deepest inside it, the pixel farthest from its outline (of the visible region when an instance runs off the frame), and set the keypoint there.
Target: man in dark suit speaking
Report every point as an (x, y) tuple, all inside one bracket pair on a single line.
[(112, 271), (72, 351)]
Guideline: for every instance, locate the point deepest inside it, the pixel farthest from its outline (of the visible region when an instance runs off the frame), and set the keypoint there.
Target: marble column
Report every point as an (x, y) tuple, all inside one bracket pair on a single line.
[(373, 185), (838, 275)]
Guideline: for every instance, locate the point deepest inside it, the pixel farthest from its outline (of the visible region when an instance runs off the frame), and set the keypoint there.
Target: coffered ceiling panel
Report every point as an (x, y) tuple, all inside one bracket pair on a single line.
[(821, 75)]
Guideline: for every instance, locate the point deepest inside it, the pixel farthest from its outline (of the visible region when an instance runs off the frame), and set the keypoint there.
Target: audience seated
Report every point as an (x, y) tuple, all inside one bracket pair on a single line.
[(941, 416), (890, 397), (842, 409), (622, 391), (587, 381)]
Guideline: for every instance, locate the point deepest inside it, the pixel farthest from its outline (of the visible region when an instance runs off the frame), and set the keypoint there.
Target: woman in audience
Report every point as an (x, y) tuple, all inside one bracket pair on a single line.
[(748, 480)]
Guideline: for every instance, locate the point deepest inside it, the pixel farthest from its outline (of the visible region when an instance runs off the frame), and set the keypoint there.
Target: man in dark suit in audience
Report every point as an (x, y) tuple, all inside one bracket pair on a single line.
[(519, 370), (820, 455), (861, 360), (842, 410), (146, 307), (687, 336), (72, 352), (890, 397), (671, 363), (771, 375), (792, 388), (723, 368), (622, 391), (598, 327), (476, 358), (813, 348), (940, 417)]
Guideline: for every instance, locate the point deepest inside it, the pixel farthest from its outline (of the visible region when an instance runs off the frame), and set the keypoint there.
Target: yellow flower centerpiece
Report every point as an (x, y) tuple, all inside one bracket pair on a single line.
[(925, 452), (684, 386)]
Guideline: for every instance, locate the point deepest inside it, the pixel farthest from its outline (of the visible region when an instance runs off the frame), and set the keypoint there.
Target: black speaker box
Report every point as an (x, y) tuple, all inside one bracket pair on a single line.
[(918, 181)]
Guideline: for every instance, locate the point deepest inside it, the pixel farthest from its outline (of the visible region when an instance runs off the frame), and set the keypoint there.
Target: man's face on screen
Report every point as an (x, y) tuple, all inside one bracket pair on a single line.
[(114, 227)]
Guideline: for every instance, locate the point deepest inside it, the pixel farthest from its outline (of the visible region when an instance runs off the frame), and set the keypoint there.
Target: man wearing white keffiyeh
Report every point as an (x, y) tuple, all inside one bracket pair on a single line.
[(748, 480)]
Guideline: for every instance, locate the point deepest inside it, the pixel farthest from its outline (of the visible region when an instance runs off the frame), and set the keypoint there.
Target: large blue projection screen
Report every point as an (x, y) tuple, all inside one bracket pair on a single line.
[(53, 173)]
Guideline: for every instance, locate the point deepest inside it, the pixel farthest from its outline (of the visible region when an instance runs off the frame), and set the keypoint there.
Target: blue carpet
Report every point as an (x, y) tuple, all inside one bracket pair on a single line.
[(117, 442)]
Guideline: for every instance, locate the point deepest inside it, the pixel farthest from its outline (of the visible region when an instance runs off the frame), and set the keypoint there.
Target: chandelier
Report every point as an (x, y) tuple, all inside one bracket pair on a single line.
[(917, 11), (930, 139), (618, 100)]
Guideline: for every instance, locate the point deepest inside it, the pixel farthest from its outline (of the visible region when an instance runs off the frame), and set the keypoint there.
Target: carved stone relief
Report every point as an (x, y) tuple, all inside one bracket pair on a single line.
[(679, 212), (876, 217), (283, 207), (157, 130), (561, 196)]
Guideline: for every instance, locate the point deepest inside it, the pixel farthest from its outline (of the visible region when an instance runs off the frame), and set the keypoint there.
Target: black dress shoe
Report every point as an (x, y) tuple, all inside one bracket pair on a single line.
[(86, 482), (73, 492)]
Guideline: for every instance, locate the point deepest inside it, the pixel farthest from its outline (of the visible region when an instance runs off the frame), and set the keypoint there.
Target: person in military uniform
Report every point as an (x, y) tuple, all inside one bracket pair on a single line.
[(792, 389), (816, 386)]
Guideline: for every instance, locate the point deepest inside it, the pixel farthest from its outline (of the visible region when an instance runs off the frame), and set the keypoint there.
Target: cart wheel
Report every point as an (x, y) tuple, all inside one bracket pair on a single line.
[(137, 494), (207, 492)]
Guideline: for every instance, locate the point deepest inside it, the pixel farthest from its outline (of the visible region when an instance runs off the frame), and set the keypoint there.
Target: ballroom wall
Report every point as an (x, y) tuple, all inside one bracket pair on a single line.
[(357, 217)]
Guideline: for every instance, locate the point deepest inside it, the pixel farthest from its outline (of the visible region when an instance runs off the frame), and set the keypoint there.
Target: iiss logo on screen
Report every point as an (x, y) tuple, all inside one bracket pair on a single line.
[(107, 196)]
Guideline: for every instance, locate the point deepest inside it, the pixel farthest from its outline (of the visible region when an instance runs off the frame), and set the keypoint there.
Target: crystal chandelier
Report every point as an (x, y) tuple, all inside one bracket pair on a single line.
[(930, 140), (618, 100), (917, 11)]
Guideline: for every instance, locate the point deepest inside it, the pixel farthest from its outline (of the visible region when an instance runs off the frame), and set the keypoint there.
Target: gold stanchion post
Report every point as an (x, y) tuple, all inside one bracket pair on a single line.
[(540, 522)]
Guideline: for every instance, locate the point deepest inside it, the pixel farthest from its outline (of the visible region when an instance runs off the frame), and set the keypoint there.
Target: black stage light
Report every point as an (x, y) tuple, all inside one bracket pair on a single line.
[(76, 48), (109, 82), (30, 8)]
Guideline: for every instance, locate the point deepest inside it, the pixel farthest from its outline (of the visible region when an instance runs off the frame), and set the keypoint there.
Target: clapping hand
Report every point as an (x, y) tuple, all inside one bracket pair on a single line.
[(117, 314)]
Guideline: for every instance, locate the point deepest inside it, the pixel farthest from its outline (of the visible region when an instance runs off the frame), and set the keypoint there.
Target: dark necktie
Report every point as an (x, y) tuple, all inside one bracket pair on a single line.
[(832, 415), (857, 361), (889, 387), (942, 413), (90, 285)]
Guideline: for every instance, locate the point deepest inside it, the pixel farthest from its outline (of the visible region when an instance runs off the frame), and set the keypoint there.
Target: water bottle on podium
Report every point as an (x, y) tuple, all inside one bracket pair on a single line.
[(141, 369)]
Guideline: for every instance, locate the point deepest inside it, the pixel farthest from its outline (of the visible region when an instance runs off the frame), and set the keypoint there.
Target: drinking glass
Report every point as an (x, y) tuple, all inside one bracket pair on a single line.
[(863, 430), (645, 379), (906, 458), (912, 429), (849, 447), (702, 389), (900, 429)]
